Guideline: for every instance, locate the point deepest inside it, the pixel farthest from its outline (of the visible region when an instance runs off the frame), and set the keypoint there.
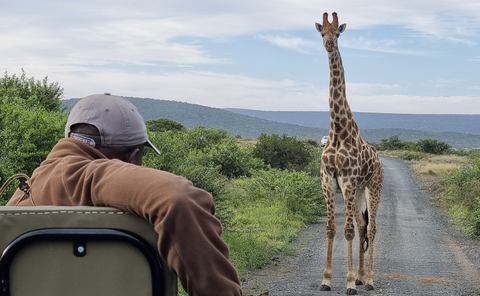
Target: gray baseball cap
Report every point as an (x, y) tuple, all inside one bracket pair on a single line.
[(117, 120)]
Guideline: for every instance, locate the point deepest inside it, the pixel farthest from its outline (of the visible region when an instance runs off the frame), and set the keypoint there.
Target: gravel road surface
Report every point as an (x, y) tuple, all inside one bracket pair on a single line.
[(416, 251)]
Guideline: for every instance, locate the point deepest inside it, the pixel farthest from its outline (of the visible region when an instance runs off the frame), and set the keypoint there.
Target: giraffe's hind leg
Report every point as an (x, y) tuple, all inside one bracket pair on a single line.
[(373, 194), (363, 245)]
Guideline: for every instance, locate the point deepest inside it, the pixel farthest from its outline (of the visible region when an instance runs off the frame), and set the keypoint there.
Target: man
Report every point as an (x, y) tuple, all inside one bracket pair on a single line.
[(99, 164)]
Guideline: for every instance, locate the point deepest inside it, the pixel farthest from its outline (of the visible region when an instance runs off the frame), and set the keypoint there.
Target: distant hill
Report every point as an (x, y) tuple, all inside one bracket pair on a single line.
[(465, 124), (314, 125)]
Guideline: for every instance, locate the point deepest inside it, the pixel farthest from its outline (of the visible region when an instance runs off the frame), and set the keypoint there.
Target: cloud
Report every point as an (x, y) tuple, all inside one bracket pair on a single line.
[(378, 45), (203, 88), (166, 49), (371, 88), (441, 82), (235, 91), (293, 43)]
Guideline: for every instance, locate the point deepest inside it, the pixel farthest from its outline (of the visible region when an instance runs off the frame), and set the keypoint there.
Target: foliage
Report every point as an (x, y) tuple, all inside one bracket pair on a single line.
[(282, 152), (262, 209), (274, 205), (31, 122), (462, 197), (300, 192), (432, 146), (392, 143), (213, 148), (164, 124), (30, 93), (313, 167), (470, 153), (423, 145), (311, 142)]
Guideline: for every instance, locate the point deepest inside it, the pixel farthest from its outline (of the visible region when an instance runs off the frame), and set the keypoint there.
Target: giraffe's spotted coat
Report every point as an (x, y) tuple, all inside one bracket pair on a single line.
[(350, 163)]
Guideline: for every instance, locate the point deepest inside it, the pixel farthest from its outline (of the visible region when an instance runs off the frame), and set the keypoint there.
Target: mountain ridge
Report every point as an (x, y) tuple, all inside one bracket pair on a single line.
[(191, 115)]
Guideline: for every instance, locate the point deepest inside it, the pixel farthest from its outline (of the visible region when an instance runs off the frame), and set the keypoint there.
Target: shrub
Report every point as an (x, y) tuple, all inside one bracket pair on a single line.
[(233, 161), (301, 193), (462, 198), (31, 123), (201, 137), (31, 93), (313, 167), (209, 147), (433, 146), (282, 152), (392, 143), (164, 124)]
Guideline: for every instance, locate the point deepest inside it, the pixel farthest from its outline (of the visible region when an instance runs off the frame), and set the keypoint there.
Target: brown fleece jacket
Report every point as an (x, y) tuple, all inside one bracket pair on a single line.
[(75, 174)]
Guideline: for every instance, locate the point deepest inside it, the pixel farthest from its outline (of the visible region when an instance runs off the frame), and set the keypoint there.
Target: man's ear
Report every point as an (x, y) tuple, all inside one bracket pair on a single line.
[(134, 156)]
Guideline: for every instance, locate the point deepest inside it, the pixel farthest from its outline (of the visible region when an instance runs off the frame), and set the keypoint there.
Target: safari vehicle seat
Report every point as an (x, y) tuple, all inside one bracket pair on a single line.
[(58, 251)]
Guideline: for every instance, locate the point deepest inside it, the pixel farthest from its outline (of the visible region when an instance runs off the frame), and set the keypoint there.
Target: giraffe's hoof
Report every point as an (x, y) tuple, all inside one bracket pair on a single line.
[(369, 287), (325, 288), (351, 292), (358, 283)]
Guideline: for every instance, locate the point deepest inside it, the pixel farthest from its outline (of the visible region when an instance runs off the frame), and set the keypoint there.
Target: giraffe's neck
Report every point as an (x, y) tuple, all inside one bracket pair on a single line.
[(341, 115)]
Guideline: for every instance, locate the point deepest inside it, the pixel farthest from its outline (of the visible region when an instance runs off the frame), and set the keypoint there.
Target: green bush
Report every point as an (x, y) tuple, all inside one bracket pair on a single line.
[(433, 146), (424, 145), (474, 228), (31, 123), (210, 147), (470, 153), (462, 198), (301, 193), (234, 162), (201, 137), (313, 167), (282, 152), (392, 143), (164, 124), (31, 93)]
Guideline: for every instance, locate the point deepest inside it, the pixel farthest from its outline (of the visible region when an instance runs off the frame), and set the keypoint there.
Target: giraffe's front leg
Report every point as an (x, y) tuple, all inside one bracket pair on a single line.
[(329, 187), (331, 231), (349, 231)]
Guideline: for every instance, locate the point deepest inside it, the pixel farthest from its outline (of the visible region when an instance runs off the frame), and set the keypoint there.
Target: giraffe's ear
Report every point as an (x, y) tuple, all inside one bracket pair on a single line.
[(342, 28), (319, 27)]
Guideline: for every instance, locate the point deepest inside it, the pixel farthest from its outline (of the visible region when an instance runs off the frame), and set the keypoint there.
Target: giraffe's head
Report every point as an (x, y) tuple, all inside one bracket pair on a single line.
[(330, 31)]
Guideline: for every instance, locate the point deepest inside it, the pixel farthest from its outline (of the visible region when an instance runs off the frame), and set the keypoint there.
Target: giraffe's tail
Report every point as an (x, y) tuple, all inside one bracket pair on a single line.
[(365, 236)]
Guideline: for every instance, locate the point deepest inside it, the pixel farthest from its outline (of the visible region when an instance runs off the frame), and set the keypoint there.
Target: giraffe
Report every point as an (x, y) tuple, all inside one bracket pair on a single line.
[(353, 165)]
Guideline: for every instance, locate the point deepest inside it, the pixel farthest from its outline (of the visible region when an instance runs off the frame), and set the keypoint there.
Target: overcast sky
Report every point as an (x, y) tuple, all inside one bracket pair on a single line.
[(409, 56)]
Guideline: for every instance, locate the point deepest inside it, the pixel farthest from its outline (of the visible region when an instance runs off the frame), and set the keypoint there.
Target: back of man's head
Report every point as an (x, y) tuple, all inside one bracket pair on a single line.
[(106, 121)]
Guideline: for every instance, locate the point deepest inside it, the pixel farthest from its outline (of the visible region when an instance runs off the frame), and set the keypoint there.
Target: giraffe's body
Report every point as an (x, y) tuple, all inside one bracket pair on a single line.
[(350, 163)]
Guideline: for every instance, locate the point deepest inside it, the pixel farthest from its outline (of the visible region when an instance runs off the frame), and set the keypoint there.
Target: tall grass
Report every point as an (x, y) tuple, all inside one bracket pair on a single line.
[(269, 209), (462, 198)]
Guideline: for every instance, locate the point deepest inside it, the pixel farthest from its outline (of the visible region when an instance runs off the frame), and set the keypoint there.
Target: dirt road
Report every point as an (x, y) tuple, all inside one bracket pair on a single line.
[(416, 251)]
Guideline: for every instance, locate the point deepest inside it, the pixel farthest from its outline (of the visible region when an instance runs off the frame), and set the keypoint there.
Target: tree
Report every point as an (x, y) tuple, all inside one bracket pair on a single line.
[(282, 152), (164, 124), (30, 92), (31, 122)]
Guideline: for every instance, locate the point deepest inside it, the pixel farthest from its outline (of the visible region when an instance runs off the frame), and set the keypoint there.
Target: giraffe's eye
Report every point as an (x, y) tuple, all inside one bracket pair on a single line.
[(338, 35), (323, 35)]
